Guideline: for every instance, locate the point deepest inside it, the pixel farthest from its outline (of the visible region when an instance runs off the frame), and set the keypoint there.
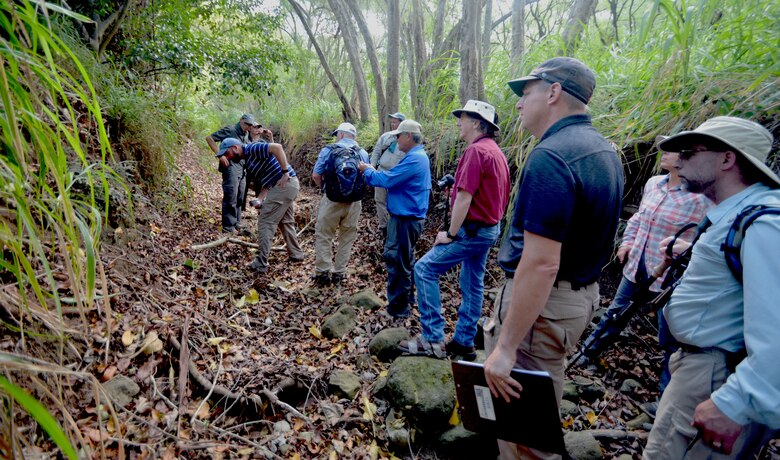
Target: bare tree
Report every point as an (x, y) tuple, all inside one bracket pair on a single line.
[(348, 111), (393, 57), (99, 33), (381, 104), (471, 83), (410, 65), (420, 53), (518, 33), (487, 29), (353, 53), (580, 11)]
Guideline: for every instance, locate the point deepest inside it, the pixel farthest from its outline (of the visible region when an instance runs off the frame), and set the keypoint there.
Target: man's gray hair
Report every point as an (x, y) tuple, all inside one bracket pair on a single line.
[(417, 138)]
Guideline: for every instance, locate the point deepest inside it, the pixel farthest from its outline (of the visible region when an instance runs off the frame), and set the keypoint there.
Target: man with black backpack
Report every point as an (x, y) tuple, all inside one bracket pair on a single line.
[(336, 173), (725, 380)]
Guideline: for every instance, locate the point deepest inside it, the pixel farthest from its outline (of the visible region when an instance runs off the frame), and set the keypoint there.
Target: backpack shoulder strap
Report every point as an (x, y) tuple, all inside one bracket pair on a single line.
[(731, 247)]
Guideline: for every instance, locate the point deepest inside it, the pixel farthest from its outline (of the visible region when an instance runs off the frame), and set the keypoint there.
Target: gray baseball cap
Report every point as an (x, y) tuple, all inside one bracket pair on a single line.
[(574, 77), (226, 144)]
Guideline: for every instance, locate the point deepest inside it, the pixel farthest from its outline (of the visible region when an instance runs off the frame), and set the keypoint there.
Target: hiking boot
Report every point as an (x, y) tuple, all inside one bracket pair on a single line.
[(295, 260), (456, 350), (337, 278), (256, 267), (322, 279)]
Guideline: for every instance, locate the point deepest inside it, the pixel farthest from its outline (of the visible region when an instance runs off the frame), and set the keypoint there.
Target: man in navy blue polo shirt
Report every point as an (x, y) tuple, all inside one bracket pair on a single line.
[(266, 166)]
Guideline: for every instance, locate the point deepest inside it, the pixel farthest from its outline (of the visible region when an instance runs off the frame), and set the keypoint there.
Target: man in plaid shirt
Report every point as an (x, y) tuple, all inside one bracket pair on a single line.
[(666, 207)]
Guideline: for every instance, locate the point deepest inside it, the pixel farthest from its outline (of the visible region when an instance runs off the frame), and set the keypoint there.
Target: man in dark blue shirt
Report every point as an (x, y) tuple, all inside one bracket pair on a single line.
[(408, 187), (266, 166), (233, 174), (562, 233)]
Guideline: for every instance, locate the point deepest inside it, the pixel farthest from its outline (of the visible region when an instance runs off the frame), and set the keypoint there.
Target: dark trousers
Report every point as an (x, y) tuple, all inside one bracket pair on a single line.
[(402, 235), (233, 193)]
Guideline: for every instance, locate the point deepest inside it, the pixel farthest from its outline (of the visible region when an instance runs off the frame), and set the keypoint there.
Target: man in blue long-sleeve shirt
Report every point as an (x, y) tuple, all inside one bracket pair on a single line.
[(408, 187)]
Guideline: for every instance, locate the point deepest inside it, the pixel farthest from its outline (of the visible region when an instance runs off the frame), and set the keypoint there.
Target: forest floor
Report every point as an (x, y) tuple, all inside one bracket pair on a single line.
[(222, 356)]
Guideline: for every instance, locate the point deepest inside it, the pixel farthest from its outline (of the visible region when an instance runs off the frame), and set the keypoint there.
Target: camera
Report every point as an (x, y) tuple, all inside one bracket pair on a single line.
[(446, 181)]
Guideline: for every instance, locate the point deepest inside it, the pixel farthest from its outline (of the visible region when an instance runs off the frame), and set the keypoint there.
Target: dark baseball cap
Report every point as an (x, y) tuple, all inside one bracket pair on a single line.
[(249, 119), (397, 116), (574, 77), (226, 144)]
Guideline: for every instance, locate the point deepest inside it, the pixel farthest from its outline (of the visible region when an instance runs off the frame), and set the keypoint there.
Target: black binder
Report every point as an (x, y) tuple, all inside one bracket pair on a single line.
[(532, 420)]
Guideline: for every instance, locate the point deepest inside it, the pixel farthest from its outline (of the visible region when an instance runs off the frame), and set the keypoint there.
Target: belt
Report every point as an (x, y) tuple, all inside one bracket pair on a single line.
[(477, 223), (733, 358), (557, 283)]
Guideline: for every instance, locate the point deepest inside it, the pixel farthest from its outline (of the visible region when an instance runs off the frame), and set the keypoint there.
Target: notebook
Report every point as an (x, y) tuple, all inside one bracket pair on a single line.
[(532, 420)]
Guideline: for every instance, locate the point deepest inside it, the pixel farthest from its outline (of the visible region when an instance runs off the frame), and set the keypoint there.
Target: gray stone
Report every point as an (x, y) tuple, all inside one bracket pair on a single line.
[(624, 457), (340, 323), (569, 408), (588, 389), (460, 443), (570, 392), (344, 384), (424, 389), (366, 299), (630, 386), (384, 345), (121, 390), (581, 445), (397, 433), (363, 361), (640, 420), (282, 427)]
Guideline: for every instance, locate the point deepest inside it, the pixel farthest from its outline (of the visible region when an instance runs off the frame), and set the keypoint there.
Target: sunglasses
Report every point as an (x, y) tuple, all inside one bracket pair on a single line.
[(687, 154)]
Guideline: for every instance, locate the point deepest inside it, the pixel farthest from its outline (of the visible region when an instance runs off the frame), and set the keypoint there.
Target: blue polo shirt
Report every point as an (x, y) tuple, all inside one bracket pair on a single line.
[(408, 184)]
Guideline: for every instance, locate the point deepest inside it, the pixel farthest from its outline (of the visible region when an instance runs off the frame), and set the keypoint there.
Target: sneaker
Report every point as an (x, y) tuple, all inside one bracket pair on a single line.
[(322, 279), (228, 229), (456, 350), (392, 316), (337, 278), (295, 260)]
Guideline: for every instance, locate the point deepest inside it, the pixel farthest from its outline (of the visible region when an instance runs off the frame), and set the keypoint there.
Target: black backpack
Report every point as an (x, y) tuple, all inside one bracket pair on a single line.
[(731, 247), (344, 183)]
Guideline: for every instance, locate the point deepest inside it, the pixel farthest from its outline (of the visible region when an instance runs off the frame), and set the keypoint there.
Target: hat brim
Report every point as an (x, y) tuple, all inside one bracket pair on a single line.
[(395, 116), (687, 139), (518, 84), (457, 114)]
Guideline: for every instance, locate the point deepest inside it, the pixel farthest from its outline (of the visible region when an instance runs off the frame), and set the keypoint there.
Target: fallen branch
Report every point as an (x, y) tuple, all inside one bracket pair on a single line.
[(221, 241), (220, 390), (616, 435)]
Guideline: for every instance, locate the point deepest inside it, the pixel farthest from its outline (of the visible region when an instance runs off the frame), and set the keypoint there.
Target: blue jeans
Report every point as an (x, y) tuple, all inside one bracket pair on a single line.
[(402, 235), (472, 253), (233, 193)]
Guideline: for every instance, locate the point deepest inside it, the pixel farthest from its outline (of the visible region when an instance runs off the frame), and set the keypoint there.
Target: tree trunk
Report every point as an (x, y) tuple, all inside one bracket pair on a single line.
[(518, 34), (381, 104), (438, 28), (393, 58), (348, 111), (409, 53), (471, 84), (580, 11), (420, 53), (353, 52), (486, 32)]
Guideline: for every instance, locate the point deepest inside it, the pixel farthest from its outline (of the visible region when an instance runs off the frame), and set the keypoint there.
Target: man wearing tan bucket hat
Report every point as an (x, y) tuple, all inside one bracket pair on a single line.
[(562, 232), (725, 378)]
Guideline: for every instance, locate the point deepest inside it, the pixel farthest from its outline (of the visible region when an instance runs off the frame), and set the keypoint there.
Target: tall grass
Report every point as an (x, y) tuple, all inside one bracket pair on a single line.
[(54, 142)]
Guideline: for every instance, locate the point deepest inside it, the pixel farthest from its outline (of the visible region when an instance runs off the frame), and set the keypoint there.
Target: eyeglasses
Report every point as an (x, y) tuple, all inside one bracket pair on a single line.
[(687, 154)]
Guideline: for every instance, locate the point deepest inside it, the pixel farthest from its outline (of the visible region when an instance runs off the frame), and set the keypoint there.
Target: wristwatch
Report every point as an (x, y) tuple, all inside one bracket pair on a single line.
[(452, 237)]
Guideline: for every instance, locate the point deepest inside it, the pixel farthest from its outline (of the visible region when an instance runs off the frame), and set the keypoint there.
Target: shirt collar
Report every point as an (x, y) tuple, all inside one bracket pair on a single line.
[(581, 118), (727, 206)]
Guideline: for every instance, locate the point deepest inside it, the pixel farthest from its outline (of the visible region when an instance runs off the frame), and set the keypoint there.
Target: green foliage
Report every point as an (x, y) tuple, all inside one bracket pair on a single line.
[(235, 47), (41, 415)]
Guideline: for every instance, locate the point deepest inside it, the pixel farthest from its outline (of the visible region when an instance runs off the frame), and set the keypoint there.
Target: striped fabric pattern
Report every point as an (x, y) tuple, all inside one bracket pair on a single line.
[(262, 167)]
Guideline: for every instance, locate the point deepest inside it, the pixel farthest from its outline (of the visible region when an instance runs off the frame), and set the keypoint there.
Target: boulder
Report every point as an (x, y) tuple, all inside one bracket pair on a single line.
[(460, 443), (581, 445), (397, 433), (570, 392), (344, 384), (340, 323), (366, 299), (121, 390), (569, 408), (638, 422), (630, 386), (588, 389), (424, 389), (384, 345)]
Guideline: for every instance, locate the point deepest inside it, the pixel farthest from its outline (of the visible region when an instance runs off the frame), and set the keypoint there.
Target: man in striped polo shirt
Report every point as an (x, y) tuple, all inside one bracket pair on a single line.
[(267, 167)]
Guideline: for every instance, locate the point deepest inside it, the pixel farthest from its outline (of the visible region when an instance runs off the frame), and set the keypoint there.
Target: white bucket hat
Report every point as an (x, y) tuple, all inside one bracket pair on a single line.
[(745, 137), (481, 109)]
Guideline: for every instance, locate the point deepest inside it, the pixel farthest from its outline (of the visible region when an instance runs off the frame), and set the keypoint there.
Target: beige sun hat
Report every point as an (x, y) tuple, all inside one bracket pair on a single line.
[(481, 109), (749, 139), (407, 126)]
